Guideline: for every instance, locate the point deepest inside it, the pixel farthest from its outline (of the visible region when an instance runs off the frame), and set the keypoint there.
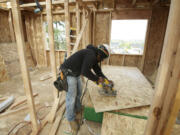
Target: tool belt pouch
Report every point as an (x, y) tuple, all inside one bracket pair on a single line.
[(61, 82)]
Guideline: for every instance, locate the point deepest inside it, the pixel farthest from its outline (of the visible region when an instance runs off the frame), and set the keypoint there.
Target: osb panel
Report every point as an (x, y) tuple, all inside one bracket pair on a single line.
[(11, 58), (141, 111), (133, 60), (132, 14), (129, 60), (5, 35), (176, 130), (133, 90), (3, 70), (102, 28), (114, 124), (116, 59), (155, 41)]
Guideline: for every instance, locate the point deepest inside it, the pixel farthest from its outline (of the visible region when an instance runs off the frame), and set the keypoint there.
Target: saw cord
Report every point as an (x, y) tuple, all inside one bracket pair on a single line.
[(85, 89), (90, 129)]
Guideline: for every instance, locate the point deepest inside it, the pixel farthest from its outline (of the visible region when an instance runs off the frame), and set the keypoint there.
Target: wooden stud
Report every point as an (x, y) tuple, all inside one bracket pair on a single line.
[(174, 113), (77, 18), (44, 39), (25, 74), (145, 45), (52, 57), (134, 2), (54, 3), (79, 37), (94, 27), (110, 26), (29, 38), (34, 39), (123, 60), (168, 76), (11, 26), (21, 101), (67, 22), (84, 36), (57, 121)]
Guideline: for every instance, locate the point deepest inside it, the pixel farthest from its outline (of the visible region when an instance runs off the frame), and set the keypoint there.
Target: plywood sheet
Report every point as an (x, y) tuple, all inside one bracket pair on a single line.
[(133, 90), (176, 130), (114, 124)]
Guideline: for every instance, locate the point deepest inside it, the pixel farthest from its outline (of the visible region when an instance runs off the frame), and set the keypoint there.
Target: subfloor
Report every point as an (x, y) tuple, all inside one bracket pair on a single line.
[(45, 98)]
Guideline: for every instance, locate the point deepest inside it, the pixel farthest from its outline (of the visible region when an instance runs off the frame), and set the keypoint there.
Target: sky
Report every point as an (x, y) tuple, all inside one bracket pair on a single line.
[(129, 29)]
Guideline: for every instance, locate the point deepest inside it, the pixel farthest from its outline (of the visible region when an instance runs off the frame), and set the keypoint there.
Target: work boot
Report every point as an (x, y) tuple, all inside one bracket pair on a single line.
[(74, 127)]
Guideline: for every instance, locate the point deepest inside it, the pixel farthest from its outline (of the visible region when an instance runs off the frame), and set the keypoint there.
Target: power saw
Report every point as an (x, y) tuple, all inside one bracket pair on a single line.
[(107, 88)]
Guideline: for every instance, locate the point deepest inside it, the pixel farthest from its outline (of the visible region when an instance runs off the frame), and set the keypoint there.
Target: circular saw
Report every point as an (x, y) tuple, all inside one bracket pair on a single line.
[(107, 88)]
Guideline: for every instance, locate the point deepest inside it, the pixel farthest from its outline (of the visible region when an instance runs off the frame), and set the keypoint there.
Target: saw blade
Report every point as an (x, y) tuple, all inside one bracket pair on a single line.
[(107, 92)]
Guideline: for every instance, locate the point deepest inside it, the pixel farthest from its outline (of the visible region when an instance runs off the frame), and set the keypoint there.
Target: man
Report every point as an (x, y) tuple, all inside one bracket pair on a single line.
[(81, 63)]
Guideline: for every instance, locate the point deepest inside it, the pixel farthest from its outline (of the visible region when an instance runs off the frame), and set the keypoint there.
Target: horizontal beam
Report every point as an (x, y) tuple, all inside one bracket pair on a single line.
[(53, 3)]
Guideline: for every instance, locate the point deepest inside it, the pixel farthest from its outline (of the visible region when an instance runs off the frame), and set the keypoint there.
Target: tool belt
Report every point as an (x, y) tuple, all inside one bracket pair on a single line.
[(61, 82)]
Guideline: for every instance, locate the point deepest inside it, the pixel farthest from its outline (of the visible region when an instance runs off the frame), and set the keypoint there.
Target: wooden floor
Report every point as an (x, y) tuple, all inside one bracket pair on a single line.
[(15, 87), (133, 90)]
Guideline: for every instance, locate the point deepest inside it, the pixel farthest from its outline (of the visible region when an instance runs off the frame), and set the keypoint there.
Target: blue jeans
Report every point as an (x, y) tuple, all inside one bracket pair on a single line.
[(73, 103)]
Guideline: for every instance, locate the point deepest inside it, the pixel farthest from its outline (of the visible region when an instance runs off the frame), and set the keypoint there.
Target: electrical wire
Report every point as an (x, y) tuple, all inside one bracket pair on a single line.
[(90, 129), (27, 123)]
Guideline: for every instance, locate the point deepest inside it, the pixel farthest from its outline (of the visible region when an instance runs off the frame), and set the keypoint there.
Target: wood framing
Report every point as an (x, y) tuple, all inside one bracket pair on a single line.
[(174, 113), (168, 76), (94, 27), (25, 74), (54, 3), (78, 19), (79, 36), (11, 26), (67, 22), (44, 38), (84, 36), (145, 45), (52, 57), (132, 14), (110, 27)]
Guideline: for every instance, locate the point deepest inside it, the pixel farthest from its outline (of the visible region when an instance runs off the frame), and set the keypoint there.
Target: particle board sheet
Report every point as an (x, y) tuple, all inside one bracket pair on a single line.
[(176, 130), (133, 90), (114, 124)]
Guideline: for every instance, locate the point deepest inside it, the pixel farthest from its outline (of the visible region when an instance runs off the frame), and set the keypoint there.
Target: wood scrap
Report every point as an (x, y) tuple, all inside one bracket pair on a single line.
[(16, 110), (6, 103), (46, 76), (21, 101), (57, 121), (3, 98)]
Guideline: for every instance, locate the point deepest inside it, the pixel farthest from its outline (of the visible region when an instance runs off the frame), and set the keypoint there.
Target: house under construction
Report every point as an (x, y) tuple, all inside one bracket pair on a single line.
[(36, 36)]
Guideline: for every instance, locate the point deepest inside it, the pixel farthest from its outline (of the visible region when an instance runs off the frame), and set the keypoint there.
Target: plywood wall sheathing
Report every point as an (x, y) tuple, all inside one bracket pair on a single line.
[(5, 35), (102, 28), (155, 40), (133, 89)]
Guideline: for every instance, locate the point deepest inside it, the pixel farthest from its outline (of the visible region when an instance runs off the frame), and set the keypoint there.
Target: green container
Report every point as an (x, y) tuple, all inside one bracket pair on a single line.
[(90, 114)]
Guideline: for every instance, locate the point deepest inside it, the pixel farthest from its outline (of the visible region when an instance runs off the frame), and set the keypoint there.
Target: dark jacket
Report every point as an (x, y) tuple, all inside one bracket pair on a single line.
[(83, 61)]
